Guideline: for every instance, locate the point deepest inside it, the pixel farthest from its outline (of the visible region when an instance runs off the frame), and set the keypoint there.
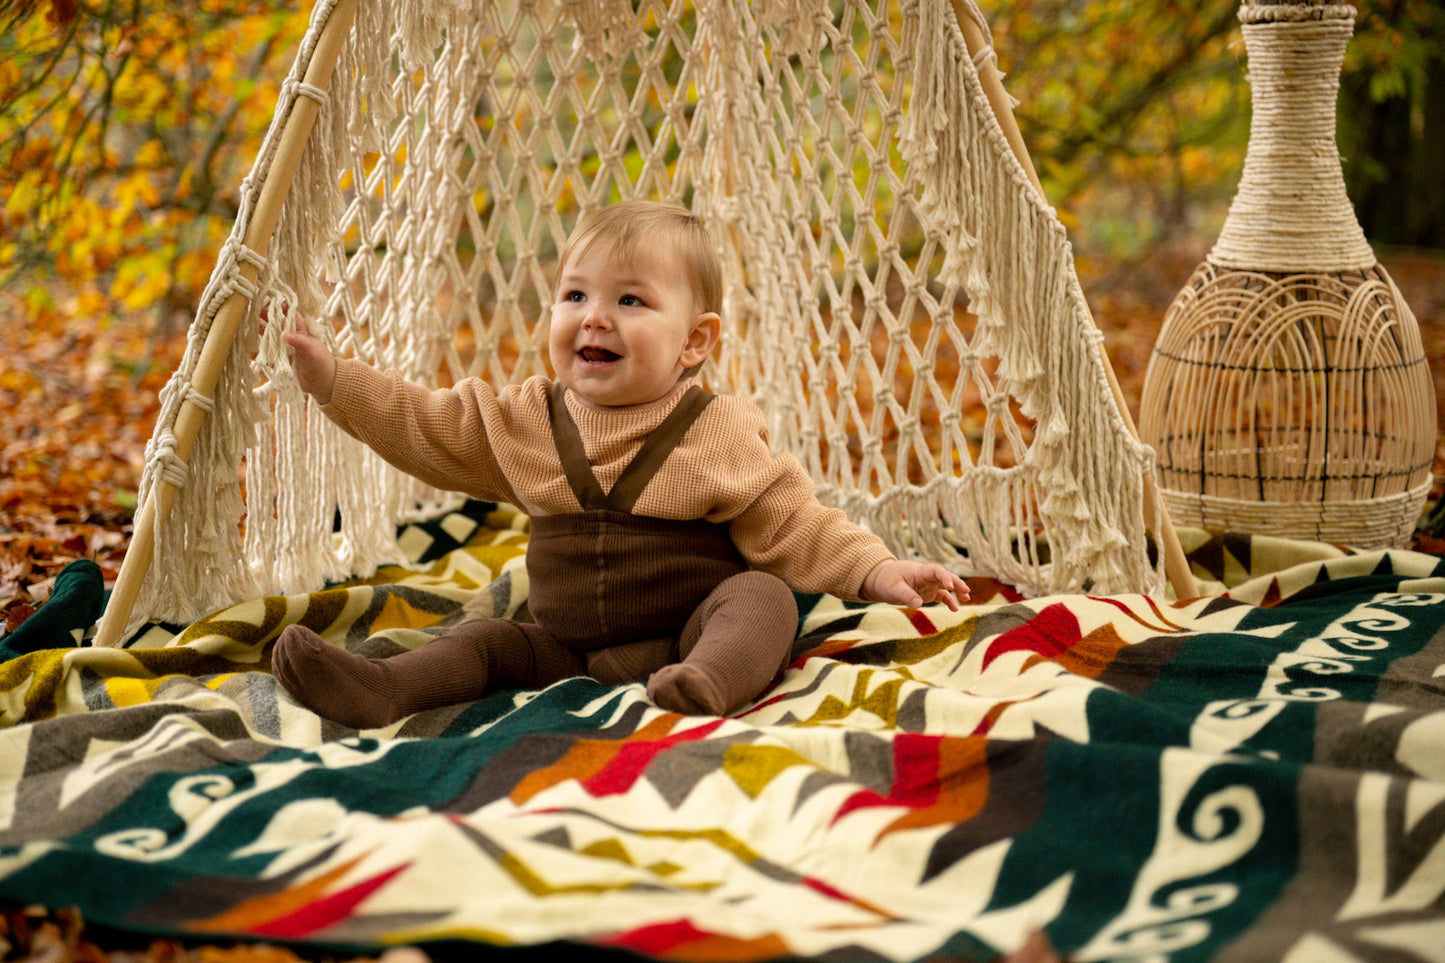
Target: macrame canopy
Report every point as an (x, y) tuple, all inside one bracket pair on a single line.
[(900, 300), (1288, 393)]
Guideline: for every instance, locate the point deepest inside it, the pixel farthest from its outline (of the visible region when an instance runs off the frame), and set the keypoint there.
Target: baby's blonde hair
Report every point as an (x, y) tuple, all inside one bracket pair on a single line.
[(633, 227)]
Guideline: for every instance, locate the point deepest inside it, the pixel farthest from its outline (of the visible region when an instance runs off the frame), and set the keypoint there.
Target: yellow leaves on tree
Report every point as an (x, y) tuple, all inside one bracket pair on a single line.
[(130, 125)]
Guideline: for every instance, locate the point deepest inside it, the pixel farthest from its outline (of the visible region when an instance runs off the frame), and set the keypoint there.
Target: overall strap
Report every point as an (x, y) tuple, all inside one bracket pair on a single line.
[(649, 458), (571, 451), (656, 448)]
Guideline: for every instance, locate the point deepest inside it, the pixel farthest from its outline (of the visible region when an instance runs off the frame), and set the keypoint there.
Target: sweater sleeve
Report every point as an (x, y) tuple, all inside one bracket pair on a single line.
[(785, 530), (441, 437)]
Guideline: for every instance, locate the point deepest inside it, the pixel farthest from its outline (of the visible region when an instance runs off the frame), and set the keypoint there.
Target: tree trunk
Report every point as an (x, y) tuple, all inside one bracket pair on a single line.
[(1395, 160)]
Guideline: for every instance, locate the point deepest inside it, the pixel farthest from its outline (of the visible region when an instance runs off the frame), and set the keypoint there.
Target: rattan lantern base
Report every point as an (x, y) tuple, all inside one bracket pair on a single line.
[(1366, 523)]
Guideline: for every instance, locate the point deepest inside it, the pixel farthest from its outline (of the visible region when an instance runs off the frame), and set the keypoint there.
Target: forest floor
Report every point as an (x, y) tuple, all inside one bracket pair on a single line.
[(78, 402)]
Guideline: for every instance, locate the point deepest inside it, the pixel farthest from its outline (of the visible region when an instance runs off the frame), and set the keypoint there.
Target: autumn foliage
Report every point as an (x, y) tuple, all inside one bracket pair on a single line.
[(127, 130)]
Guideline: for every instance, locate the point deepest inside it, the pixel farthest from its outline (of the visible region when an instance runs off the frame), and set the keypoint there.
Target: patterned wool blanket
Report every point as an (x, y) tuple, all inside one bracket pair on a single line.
[(1258, 774)]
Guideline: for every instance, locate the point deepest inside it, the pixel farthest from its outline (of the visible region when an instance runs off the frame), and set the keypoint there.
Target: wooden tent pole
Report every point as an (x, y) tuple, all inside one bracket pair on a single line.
[(1176, 565), (217, 346)]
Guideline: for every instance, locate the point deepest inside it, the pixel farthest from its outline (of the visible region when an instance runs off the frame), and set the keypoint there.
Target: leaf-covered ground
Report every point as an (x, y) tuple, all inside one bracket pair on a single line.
[(78, 402)]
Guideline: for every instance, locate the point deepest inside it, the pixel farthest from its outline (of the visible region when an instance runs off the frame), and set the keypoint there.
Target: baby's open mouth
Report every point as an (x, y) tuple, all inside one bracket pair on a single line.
[(598, 355)]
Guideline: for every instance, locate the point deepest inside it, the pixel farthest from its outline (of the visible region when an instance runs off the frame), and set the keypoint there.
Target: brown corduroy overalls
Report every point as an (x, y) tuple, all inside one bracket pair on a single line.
[(618, 596)]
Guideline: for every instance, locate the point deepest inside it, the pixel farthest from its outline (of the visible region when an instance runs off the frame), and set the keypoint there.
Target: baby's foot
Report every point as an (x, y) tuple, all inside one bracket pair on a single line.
[(342, 686), (686, 688)]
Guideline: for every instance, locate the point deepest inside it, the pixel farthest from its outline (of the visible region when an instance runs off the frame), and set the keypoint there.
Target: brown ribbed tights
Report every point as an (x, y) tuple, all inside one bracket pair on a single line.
[(730, 649)]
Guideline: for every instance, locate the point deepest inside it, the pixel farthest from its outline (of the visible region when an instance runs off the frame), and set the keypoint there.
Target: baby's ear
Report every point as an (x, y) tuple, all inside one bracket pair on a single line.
[(706, 329)]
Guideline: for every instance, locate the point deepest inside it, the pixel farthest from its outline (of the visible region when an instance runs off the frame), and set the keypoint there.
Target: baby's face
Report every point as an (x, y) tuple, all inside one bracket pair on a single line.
[(623, 333)]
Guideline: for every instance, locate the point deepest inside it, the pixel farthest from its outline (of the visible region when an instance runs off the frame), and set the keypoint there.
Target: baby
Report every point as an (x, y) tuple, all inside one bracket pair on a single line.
[(666, 537)]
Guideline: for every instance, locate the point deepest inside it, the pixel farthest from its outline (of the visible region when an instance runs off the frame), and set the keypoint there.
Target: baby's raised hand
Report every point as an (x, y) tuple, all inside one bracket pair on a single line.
[(913, 584), (315, 367)]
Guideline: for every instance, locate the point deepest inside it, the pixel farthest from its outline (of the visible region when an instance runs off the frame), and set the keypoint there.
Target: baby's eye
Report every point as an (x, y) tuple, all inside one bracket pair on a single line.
[(576, 297), (630, 301)]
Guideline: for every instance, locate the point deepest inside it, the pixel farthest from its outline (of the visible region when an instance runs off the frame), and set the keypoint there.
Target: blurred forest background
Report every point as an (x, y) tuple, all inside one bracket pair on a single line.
[(126, 127)]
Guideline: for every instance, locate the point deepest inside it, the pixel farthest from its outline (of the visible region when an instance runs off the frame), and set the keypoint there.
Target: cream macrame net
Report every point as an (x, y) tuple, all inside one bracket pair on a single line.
[(900, 301)]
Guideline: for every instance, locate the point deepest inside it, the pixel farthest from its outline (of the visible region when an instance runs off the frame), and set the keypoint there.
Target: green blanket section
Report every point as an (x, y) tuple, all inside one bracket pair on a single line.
[(1256, 774)]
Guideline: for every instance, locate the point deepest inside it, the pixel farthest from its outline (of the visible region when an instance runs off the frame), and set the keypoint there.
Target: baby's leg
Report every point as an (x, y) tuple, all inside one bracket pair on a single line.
[(731, 647), (630, 661), (470, 661)]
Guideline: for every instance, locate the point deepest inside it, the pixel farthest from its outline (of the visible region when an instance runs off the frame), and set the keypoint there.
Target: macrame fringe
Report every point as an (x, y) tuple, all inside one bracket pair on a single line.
[(1006, 248), (200, 543), (205, 557)]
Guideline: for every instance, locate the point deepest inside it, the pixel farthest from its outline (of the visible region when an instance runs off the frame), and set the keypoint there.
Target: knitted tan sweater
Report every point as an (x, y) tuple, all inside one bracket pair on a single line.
[(499, 447)]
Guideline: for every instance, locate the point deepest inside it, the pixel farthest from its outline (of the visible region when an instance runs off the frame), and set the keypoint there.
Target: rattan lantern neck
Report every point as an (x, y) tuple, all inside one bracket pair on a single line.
[(1291, 212)]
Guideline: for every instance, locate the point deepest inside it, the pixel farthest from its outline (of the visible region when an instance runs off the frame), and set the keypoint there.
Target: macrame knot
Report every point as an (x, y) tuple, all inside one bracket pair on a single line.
[(163, 455), (797, 24), (238, 282), (730, 210), (605, 28), (235, 250), (203, 402), (292, 87)]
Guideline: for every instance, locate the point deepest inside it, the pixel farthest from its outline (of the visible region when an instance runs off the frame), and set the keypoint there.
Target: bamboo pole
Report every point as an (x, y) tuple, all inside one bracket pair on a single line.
[(224, 326), (1176, 565)]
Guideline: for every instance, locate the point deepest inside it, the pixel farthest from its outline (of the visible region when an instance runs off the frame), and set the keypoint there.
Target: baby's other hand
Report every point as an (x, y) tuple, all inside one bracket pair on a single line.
[(914, 584), (315, 367)]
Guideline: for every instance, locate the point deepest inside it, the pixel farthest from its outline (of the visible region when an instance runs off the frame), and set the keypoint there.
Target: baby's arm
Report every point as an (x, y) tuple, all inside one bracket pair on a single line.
[(315, 367), (442, 437), (913, 584)]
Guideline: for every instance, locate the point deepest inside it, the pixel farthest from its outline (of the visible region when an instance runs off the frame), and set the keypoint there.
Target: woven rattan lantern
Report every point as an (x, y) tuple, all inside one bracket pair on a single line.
[(1288, 393)]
